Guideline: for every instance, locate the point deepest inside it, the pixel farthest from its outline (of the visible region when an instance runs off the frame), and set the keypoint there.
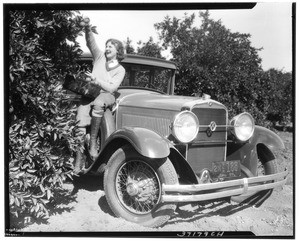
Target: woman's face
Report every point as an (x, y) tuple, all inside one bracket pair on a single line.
[(110, 51)]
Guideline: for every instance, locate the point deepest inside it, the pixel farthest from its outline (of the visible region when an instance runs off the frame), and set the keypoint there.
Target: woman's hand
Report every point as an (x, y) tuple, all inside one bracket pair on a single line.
[(94, 81), (89, 76), (85, 22)]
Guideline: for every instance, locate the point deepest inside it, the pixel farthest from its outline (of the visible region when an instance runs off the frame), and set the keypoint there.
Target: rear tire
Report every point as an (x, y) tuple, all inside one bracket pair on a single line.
[(132, 185)]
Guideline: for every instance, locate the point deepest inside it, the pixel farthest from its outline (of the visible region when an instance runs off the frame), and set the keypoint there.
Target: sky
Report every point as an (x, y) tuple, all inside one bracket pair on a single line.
[(268, 23)]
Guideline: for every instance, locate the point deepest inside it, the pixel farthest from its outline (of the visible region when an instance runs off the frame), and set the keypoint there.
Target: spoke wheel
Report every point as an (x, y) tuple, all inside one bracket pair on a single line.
[(132, 185), (138, 187)]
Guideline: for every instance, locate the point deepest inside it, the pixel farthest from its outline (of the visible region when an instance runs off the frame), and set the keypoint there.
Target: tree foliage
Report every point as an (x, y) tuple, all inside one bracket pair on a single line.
[(149, 48), (279, 96), (213, 60), (42, 128), (128, 46)]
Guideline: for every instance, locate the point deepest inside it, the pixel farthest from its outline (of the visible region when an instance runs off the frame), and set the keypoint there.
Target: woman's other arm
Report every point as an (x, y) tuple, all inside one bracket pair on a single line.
[(91, 43)]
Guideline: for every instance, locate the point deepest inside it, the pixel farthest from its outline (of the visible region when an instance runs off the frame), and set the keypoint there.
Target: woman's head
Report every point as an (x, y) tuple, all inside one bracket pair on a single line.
[(114, 49)]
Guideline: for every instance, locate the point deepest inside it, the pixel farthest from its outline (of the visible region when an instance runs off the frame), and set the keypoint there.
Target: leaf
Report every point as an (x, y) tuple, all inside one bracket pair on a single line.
[(27, 195), (38, 24), (38, 196), (34, 151), (70, 176), (13, 169), (24, 98), (17, 202), (45, 201), (42, 188), (41, 133), (37, 207), (48, 194), (20, 174), (31, 170), (17, 127), (60, 181), (22, 200), (32, 209), (94, 29), (11, 200)]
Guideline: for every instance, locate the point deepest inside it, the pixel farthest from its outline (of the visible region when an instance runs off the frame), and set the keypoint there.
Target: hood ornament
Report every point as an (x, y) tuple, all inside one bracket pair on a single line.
[(205, 97)]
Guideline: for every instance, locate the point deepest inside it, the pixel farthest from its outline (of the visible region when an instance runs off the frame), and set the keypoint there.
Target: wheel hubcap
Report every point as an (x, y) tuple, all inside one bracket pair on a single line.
[(132, 189)]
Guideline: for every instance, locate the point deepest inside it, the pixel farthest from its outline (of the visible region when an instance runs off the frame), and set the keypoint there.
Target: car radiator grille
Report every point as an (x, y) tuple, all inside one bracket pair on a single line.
[(207, 116), (209, 146)]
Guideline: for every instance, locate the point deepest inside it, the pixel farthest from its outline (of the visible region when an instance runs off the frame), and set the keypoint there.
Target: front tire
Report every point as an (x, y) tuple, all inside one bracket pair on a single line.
[(132, 185), (266, 165)]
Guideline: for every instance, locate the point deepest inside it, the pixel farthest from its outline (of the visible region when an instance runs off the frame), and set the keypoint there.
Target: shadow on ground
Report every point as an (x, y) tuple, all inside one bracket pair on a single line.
[(103, 205), (202, 210), (88, 182), (221, 208)]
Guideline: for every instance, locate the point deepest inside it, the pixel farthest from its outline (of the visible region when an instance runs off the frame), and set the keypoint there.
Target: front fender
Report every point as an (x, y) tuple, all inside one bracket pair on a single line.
[(146, 142), (247, 152), (268, 138)]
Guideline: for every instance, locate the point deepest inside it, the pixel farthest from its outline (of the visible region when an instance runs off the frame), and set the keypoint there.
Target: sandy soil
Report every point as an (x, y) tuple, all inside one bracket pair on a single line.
[(85, 210)]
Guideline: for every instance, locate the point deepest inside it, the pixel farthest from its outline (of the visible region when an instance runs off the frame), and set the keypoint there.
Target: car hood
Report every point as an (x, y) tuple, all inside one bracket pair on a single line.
[(153, 100)]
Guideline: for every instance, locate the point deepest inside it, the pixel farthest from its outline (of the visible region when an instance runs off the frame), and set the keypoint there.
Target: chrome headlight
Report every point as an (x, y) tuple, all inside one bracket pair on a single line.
[(185, 126), (243, 126)]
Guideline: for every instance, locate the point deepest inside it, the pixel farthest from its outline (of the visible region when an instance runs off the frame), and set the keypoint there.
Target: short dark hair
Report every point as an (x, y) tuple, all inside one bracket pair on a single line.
[(119, 46)]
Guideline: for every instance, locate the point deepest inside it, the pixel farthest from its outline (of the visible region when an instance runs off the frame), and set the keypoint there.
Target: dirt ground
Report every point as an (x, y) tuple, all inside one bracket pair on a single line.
[(85, 210)]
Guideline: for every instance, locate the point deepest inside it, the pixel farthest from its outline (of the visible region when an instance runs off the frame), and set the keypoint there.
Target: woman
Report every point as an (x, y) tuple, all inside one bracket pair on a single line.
[(108, 74)]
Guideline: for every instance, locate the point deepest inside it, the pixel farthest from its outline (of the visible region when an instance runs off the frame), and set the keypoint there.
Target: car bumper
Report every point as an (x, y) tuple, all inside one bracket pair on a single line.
[(210, 191)]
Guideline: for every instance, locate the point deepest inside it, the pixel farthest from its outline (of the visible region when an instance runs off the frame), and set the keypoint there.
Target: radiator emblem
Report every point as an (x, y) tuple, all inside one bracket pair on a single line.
[(212, 126)]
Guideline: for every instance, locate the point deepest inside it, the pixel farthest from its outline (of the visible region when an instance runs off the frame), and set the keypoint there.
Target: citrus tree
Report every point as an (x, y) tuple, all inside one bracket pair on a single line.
[(42, 130), (149, 48), (214, 60), (280, 97)]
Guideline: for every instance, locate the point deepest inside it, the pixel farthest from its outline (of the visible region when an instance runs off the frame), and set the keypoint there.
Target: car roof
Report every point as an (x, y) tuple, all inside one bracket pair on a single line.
[(139, 59)]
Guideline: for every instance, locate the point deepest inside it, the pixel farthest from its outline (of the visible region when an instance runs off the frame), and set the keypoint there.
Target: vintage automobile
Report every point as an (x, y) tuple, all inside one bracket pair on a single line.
[(158, 150)]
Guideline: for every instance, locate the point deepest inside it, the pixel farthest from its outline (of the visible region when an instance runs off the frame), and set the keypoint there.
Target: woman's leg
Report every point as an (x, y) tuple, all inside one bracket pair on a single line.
[(99, 105), (79, 162), (84, 119)]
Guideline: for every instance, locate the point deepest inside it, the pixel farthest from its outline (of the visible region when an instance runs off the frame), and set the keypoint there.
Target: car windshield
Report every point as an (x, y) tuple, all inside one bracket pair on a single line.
[(149, 77)]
